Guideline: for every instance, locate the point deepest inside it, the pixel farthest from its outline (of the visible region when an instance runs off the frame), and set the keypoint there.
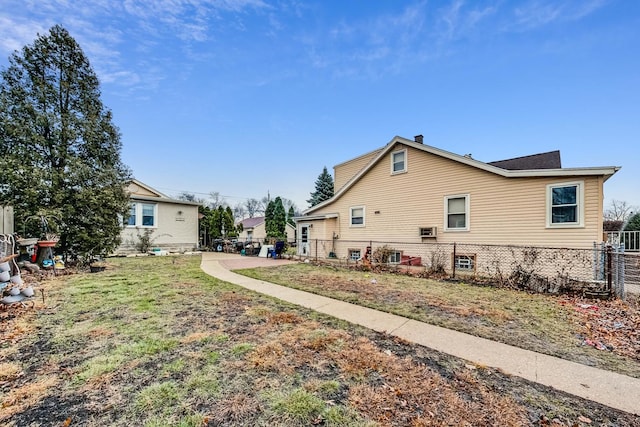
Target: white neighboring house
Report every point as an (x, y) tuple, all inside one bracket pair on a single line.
[(173, 223)]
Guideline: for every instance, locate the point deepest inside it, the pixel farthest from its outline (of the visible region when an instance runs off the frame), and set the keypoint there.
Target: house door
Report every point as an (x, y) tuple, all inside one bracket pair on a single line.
[(303, 248)]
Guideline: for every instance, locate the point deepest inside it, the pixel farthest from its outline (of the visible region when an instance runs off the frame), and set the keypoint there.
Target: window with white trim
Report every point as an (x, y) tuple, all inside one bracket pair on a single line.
[(399, 161), (395, 257), (356, 216), (355, 254), (465, 262), (142, 215), (565, 206), (132, 214), (456, 210)]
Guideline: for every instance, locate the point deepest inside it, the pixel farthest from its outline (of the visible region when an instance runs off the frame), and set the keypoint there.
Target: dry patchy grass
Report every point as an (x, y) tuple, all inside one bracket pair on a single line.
[(155, 342), (548, 324)]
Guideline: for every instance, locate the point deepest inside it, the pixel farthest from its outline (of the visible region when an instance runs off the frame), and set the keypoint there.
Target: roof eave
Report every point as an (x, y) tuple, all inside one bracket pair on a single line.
[(316, 217), (163, 200), (605, 171)]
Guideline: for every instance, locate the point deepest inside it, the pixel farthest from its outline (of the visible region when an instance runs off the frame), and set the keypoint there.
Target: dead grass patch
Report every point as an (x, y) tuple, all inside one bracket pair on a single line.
[(29, 394), (607, 338), (234, 357), (412, 394), (269, 357), (100, 332), (196, 337), (9, 371), (236, 409), (282, 317)]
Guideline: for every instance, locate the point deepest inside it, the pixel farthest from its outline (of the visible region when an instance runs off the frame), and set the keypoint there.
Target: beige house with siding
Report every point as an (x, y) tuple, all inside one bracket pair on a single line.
[(410, 192), (254, 230), (173, 223)]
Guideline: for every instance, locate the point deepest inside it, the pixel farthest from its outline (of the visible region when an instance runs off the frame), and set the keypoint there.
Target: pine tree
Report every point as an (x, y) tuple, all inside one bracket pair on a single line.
[(324, 188), (217, 222), (290, 216), (275, 219), (229, 223), (633, 224), (60, 149)]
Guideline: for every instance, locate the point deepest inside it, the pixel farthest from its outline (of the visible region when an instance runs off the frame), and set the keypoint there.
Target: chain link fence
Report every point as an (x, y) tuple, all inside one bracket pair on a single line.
[(600, 271)]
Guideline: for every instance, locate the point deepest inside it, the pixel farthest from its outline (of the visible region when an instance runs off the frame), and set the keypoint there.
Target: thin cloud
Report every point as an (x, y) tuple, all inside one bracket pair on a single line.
[(16, 33), (141, 26), (457, 21), (539, 13), (355, 48)]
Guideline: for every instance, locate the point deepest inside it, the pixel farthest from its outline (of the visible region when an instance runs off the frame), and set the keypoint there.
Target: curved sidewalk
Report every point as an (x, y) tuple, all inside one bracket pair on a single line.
[(609, 388)]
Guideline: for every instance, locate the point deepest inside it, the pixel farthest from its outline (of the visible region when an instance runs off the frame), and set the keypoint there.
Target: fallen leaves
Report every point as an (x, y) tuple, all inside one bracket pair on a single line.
[(612, 325)]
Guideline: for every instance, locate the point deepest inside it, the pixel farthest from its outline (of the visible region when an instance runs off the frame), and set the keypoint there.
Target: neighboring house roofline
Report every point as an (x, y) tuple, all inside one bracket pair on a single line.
[(162, 199), (160, 196), (148, 188), (249, 223), (316, 217), (605, 171), (359, 157), (548, 160)]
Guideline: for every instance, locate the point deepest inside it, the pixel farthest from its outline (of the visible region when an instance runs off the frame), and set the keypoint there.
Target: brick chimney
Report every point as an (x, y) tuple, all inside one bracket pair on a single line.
[(418, 139)]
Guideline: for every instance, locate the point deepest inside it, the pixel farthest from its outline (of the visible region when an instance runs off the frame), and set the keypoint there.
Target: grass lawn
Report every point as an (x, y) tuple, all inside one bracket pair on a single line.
[(155, 342), (554, 325)]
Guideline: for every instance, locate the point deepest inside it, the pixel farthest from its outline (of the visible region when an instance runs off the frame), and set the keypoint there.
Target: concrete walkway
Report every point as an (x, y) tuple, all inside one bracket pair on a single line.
[(611, 389)]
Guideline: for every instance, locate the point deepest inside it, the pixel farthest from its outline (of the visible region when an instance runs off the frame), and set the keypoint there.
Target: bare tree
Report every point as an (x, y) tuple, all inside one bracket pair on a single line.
[(288, 204), (239, 212), (190, 197), (619, 211), (216, 200), (253, 207)]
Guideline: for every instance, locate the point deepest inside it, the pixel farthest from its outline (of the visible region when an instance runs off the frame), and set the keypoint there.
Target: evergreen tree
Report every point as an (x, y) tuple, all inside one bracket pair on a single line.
[(229, 223), (279, 221), (275, 219), (60, 149), (290, 216), (324, 188), (215, 224), (633, 224), (268, 217)]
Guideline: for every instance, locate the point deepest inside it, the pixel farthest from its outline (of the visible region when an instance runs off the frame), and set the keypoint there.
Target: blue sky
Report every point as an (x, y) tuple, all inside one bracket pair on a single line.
[(245, 97)]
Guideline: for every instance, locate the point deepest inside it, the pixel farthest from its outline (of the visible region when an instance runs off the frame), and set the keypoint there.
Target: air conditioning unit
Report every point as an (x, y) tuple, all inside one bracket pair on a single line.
[(428, 231)]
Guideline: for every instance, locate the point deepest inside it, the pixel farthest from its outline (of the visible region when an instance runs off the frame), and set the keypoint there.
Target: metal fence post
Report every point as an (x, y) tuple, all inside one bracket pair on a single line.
[(609, 272), (453, 262), (595, 261), (620, 267), (603, 246)]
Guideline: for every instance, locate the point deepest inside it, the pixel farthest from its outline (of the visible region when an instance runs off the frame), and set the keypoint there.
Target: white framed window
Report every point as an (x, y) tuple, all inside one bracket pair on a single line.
[(395, 257), (356, 216), (456, 212), (142, 215), (565, 205), (355, 254), (132, 214), (465, 262), (399, 161)]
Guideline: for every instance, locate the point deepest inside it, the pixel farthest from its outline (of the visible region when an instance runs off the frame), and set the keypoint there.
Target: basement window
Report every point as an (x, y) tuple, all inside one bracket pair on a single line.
[(466, 262), (395, 257)]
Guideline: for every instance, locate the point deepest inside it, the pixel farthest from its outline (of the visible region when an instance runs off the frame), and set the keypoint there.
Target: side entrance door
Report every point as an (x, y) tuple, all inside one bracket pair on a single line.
[(303, 248)]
